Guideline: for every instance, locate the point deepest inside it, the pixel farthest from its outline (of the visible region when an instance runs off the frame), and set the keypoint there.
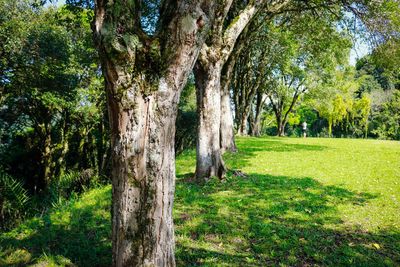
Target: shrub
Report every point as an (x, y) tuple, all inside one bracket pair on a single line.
[(13, 200)]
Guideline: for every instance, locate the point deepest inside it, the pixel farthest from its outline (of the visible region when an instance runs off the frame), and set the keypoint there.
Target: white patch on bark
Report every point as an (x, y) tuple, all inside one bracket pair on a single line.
[(163, 85), (188, 24)]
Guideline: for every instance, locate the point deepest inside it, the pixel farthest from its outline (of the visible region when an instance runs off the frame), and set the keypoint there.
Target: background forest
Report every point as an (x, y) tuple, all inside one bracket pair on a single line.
[(54, 129)]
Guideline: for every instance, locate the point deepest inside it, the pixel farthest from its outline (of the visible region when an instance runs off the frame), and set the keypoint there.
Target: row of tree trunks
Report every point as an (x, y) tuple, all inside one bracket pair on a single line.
[(208, 74)]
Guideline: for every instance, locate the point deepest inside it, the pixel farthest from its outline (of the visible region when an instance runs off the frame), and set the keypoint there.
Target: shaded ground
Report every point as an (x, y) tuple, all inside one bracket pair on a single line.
[(284, 216)]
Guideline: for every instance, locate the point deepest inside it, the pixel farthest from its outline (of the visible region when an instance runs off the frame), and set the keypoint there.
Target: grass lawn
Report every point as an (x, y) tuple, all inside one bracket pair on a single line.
[(303, 202)]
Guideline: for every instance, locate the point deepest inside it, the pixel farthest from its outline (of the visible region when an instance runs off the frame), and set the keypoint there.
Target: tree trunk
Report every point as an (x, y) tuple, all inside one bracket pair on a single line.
[(227, 123), (242, 131), (281, 130), (330, 127), (208, 73), (63, 153), (143, 178), (144, 77), (209, 159), (256, 127), (281, 126), (47, 158), (63, 148), (226, 131), (82, 149)]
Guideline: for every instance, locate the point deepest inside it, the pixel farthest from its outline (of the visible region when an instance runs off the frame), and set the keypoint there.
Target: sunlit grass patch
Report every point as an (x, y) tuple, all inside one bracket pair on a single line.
[(75, 234)]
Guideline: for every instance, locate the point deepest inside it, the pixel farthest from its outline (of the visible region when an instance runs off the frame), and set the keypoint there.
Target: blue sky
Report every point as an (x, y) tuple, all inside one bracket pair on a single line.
[(360, 48)]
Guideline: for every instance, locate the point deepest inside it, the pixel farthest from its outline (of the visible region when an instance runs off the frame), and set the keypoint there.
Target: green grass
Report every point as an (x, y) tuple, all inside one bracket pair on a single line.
[(304, 202)]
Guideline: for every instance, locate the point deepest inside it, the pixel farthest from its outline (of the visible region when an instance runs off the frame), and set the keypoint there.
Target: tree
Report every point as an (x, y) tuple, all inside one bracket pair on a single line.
[(214, 54), (361, 110), (145, 73), (333, 98), (387, 121)]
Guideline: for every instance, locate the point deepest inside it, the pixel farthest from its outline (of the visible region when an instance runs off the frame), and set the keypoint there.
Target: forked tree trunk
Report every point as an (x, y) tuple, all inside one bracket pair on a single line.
[(281, 129), (144, 78), (209, 159)]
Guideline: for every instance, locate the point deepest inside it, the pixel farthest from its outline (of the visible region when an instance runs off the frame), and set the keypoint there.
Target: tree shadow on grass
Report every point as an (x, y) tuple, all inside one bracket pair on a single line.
[(268, 220), (78, 234)]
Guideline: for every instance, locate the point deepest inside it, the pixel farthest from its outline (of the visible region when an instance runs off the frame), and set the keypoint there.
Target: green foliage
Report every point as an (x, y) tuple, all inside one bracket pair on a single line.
[(186, 121), (299, 53), (13, 200), (54, 106), (387, 122)]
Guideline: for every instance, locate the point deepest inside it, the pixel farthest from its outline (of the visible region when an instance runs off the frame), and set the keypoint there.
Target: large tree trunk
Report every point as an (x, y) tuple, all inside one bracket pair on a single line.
[(209, 159), (144, 78), (227, 123), (143, 177)]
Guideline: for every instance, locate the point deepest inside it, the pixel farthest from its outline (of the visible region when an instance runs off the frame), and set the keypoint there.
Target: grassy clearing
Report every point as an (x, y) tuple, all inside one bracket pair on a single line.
[(303, 202)]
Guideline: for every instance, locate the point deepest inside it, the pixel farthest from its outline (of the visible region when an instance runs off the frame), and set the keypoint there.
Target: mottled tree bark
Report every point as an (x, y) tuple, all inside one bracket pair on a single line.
[(209, 159), (47, 157), (214, 55), (144, 77)]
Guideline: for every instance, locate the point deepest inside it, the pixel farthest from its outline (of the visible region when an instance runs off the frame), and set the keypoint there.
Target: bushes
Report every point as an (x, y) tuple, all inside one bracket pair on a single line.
[(13, 200), (16, 203)]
